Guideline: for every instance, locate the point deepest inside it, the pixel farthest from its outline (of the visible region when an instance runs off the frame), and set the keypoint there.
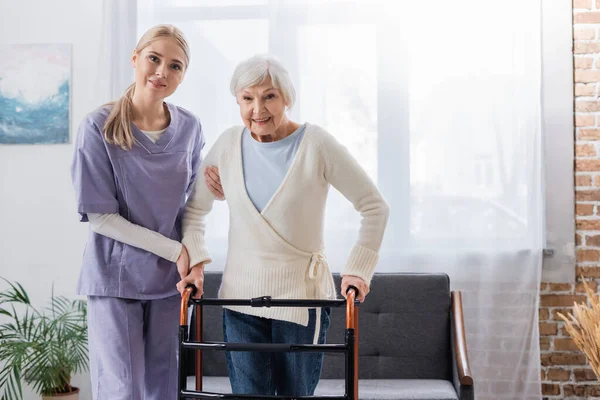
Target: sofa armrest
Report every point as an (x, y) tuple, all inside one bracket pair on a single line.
[(463, 380)]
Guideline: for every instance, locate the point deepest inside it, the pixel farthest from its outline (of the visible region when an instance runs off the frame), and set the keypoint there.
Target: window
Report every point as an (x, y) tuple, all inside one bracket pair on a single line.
[(413, 107)]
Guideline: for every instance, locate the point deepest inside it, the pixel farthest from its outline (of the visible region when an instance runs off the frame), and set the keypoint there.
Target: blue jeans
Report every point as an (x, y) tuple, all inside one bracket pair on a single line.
[(284, 374)]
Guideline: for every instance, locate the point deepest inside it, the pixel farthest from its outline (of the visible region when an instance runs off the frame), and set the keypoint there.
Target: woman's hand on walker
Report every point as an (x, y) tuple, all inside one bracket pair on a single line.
[(351, 280), (183, 263), (196, 278), (213, 181)]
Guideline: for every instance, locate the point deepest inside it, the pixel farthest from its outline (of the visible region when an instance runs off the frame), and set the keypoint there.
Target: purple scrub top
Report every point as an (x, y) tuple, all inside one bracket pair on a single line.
[(148, 185)]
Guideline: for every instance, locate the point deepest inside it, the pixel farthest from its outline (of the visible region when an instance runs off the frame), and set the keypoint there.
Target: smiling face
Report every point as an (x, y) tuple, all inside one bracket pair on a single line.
[(159, 68), (262, 108)]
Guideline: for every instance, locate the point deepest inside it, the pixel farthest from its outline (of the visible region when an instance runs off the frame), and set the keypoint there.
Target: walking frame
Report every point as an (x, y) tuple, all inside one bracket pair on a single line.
[(349, 347)]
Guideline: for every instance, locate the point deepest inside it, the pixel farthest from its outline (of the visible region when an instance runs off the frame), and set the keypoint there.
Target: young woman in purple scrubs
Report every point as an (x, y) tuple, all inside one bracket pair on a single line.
[(135, 164)]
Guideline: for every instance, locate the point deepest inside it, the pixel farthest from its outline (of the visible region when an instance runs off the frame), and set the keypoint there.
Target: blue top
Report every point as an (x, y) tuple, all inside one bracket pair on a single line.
[(147, 185), (266, 164)]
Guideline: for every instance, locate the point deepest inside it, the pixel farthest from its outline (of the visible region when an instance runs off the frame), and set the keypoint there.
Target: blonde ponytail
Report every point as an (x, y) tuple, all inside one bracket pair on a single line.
[(117, 128)]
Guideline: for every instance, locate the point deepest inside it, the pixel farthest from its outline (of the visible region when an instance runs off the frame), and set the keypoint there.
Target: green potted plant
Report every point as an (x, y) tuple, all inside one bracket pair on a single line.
[(43, 348)]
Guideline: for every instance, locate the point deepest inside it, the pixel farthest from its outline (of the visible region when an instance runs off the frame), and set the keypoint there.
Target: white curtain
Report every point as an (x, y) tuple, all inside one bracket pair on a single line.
[(118, 39), (440, 103)]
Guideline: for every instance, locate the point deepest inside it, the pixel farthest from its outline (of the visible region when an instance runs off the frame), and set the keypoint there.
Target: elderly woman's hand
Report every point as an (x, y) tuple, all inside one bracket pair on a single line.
[(213, 181), (351, 280)]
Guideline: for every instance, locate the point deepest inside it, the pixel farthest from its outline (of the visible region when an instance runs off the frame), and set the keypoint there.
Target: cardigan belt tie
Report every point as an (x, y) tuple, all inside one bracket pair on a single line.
[(319, 271)]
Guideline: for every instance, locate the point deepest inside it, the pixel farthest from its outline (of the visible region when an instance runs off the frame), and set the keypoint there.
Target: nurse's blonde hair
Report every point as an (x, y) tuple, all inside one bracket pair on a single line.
[(117, 128)]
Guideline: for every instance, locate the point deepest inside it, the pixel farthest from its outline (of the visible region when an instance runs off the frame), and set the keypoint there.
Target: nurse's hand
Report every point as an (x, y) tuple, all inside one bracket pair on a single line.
[(196, 278), (213, 181), (351, 280), (183, 263)]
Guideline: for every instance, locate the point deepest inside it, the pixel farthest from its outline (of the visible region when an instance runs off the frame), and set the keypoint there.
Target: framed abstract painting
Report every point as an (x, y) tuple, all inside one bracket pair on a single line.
[(35, 81)]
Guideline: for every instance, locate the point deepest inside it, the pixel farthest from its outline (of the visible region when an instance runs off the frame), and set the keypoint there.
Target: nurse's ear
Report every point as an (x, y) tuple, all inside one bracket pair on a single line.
[(134, 58)]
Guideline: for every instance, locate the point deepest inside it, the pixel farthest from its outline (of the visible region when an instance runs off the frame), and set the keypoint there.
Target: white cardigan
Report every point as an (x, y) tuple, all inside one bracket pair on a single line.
[(279, 252)]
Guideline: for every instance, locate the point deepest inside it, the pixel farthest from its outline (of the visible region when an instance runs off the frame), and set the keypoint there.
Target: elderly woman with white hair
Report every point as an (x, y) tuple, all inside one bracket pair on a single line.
[(275, 174)]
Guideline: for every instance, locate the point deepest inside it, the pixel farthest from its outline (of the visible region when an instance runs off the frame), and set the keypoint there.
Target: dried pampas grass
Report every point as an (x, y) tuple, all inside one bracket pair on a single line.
[(583, 324)]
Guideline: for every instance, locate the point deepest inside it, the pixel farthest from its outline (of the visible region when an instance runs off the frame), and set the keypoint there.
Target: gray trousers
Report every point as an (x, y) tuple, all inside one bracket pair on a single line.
[(133, 348)]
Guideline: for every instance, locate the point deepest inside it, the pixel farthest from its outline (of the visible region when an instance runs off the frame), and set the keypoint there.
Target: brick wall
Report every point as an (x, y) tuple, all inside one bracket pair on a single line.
[(565, 373)]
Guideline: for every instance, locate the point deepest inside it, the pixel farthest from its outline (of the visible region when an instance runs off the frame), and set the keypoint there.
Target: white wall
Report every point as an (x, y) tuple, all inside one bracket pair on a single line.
[(41, 240)]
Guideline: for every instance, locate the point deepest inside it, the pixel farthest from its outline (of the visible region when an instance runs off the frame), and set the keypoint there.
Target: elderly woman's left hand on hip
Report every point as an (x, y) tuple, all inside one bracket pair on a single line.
[(351, 280)]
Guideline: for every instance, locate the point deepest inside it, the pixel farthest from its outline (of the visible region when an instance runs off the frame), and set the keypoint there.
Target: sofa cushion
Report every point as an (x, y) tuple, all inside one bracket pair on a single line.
[(404, 329), (369, 389), (392, 389)]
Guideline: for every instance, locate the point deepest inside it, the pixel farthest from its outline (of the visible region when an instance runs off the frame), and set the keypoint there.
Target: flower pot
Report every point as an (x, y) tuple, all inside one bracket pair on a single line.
[(74, 395)]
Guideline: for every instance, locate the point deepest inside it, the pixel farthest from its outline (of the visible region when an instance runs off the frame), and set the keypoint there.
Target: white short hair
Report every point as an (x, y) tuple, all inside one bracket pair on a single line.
[(254, 70)]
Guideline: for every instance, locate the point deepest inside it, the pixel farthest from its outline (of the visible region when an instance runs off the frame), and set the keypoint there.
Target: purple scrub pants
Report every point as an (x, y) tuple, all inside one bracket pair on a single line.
[(133, 348)]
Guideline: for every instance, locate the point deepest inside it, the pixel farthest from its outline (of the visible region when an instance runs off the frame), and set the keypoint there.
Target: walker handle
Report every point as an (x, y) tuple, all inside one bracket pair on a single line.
[(193, 287), (352, 287)]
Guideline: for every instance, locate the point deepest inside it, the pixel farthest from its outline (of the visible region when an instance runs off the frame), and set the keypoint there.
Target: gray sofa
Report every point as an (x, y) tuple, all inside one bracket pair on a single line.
[(411, 342)]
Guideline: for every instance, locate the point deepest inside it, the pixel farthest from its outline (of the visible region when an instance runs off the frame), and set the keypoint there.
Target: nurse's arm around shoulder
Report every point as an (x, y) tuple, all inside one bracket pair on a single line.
[(344, 173), (213, 180)]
